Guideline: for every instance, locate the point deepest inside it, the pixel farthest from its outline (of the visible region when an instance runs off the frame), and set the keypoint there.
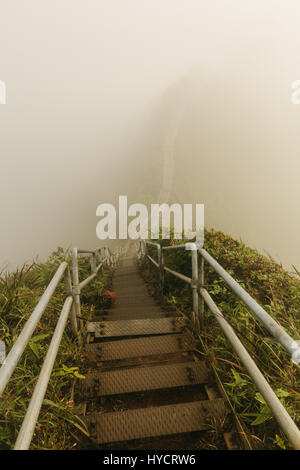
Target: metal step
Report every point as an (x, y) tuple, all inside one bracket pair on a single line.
[(132, 285), (144, 378), (128, 277), (130, 289), (130, 348), (137, 308), (135, 300), (155, 421), (133, 316), (150, 326), (134, 294), (127, 283)]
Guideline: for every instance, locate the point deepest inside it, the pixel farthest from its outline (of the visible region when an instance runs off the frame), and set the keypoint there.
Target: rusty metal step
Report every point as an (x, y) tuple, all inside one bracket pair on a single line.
[(134, 278), (144, 379), (134, 308), (140, 289), (134, 292), (130, 348), (132, 316), (150, 326), (124, 284), (155, 421), (130, 276), (135, 300)]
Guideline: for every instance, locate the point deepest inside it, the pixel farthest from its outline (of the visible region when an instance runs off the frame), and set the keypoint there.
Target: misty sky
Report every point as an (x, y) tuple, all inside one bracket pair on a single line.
[(92, 86)]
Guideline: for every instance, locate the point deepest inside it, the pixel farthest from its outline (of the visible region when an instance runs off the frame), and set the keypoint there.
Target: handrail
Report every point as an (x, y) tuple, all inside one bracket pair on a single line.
[(153, 261), (71, 308), (33, 410), (18, 348), (280, 413), (269, 323), (184, 278), (289, 344)]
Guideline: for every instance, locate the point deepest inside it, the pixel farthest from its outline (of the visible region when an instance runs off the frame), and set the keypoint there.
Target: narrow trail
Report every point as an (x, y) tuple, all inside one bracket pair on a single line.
[(146, 388)]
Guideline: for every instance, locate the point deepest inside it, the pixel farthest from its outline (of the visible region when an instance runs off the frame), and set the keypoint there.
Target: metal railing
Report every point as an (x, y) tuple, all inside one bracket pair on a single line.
[(196, 282), (70, 310)]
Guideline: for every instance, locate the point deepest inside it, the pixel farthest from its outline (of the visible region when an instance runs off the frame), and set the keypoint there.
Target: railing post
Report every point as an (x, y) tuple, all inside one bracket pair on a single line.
[(93, 263), (76, 288), (195, 279), (107, 255), (69, 292), (162, 270), (142, 248), (201, 280), (159, 264), (98, 255)]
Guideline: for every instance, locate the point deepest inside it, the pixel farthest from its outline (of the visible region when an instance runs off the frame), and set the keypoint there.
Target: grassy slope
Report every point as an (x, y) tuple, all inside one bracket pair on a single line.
[(279, 293), (20, 291)]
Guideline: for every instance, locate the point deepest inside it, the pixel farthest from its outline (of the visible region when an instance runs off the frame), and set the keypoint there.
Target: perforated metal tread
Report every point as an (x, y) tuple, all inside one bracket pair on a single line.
[(154, 421), (135, 300), (130, 348), (150, 326), (117, 316), (131, 290), (133, 313), (144, 378), (132, 276), (140, 309)]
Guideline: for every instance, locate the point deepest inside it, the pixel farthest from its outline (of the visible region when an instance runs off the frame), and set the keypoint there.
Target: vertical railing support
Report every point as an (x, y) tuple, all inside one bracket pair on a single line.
[(162, 267), (107, 255), (195, 280), (142, 248), (76, 288), (69, 292), (201, 281), (93, 263), (98, 255), (159, 258)]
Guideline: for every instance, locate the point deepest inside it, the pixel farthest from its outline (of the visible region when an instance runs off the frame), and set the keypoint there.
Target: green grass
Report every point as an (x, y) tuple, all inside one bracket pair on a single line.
[(278, 291), (59, 422)]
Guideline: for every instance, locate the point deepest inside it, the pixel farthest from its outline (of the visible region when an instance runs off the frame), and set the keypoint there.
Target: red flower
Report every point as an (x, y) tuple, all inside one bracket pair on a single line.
[(111, 295)]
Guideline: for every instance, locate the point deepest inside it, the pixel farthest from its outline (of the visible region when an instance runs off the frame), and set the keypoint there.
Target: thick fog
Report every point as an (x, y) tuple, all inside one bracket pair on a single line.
[(104, 97)]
